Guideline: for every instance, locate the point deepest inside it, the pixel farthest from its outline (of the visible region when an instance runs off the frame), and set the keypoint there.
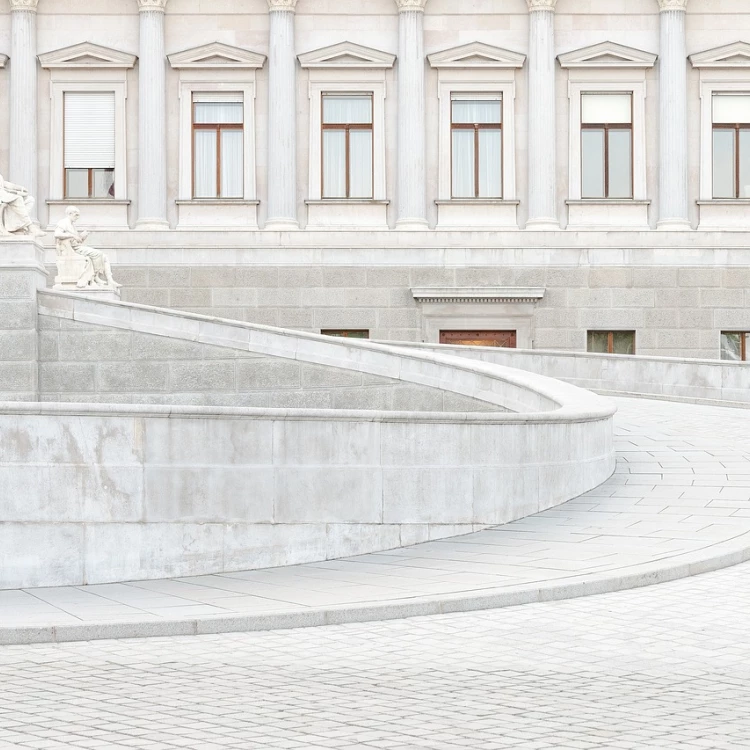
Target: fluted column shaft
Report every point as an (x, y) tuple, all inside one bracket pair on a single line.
[(673, 136), (282, 119), (23, 97), (152, 119), (542, 130), (411, 191)]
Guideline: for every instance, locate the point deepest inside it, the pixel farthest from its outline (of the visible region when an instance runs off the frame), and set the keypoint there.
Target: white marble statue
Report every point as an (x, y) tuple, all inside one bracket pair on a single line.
[(15, 210), (95, 272)]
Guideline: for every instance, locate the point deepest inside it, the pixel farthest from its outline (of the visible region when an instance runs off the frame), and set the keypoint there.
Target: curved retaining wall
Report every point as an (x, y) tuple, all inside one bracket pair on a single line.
[(99, 493)]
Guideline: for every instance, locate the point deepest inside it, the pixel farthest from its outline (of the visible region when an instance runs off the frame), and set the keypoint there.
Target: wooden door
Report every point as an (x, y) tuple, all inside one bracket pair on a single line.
[(505, 339)]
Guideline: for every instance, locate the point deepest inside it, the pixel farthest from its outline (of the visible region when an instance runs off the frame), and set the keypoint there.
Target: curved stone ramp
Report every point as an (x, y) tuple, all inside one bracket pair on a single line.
[(678, 505)]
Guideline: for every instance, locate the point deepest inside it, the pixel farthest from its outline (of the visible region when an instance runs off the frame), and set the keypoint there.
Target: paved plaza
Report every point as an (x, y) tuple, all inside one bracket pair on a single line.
[(678, 504), (664, 667)]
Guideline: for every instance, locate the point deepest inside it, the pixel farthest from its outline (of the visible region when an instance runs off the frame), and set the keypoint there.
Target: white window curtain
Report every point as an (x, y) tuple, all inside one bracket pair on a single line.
[(463, 163), (347, 110), (360, 163), (479, 111), (731, 109), (89, 140), (334, 164), (606, 109)]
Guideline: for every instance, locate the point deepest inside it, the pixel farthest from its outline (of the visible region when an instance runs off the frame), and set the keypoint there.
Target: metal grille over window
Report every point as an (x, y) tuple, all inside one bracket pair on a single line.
[(218, 146), (731, 146), (477, 146), (606, 146), (347, 146), (89, 144)]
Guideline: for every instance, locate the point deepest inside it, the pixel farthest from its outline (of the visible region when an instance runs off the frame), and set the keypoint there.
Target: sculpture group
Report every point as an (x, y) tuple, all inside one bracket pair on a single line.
[(79, 266)]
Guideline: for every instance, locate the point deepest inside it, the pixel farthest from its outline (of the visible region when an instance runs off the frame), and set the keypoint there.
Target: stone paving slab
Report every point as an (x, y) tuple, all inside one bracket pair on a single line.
[(677, 505)]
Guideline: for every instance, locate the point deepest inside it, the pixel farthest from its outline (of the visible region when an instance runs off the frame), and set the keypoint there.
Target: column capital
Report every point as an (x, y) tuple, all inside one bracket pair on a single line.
[(157, 5), (672, 5), (541, 5), (288, 6), (29, 5), (405, 5)]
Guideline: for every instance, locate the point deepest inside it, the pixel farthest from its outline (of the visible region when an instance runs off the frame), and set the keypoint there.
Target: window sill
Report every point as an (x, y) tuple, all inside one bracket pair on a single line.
[(476, 202), (216, 202), (347, 202), (88, 201), (725, 202), (607, 202)]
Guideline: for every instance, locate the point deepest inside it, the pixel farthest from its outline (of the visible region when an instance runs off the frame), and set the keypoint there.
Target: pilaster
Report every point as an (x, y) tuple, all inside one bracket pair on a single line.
[(23, 96), (152, 117), (542, 169)]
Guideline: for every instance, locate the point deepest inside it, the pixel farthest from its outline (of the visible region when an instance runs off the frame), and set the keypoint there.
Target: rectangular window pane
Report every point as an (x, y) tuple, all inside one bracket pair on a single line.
[(218, 113), (360, 163), (620, 164), (232, 142), (723, 171), (205, 153), (89, 130), (463, 164), (598, 342), (731, 109), (606, 109), (731, 346), (623, 342), (104, 183), (358, 334), (347, 110), (477, 111), (744, 163), (76, 183), (592, 163), (334, 164), (490, 163)]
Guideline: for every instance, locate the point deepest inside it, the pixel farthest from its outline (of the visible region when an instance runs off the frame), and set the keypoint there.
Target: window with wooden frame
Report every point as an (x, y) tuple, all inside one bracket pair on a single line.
[(611, 342), (347, 334), (606, 145), (476, 146), (347, 147), (218, 145), (731, 145), (503, 339), (89, 144), (735, 346)]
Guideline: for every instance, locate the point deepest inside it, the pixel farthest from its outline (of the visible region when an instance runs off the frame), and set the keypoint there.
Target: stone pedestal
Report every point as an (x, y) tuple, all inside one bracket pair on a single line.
[(673, 135), (23, 96), (282, 118), (542, 129), (152, 118), (411, 191)]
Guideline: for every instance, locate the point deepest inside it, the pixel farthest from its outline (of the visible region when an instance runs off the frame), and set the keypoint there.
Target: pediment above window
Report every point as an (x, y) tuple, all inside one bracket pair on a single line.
[(607, 55), (735, 55), (87, 55), (347, 55), (476, 55), (216, 55)]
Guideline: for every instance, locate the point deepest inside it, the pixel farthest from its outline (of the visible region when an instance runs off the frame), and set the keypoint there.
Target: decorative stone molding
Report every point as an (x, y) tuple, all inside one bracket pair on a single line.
[(476, 55), (673, 5), (216, 55), (478, 294), (87, 55), (158, 5), (735, 55), (535, 5), (346, 55), (405, 5), (607, 55), (29, 5), (282, 5)]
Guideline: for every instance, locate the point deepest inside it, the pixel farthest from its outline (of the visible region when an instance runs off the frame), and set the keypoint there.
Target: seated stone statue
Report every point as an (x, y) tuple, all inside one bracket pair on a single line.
[(71, 244), (15, 210)]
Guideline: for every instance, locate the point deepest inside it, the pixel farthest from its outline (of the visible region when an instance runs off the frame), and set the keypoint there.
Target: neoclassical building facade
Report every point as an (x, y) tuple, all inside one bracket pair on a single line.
[(554, 174)]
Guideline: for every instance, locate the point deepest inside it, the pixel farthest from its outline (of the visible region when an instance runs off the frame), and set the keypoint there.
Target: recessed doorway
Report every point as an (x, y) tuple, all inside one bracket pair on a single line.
[(506, 339)]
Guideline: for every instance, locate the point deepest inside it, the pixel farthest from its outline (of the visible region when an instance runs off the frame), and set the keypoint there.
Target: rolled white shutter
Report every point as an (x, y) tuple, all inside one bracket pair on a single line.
[(89, 130)]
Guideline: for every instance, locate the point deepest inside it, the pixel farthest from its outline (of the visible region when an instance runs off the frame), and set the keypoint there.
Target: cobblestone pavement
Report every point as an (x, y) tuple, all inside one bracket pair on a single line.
[(665, 667), (682, 489)]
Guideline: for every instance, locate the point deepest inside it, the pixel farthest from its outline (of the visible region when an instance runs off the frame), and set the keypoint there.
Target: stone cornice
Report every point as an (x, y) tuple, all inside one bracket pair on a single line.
[(406, 5), (535, 5), (157, 5), (282, 5), (478, 294), (29, 5), (673, 5)]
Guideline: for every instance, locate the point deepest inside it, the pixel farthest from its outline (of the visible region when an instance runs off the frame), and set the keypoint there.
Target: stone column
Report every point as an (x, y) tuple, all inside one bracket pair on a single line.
[(542, 127), (152, 117), (673, 137), (282, 118), (411, 189), (23, 96)]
